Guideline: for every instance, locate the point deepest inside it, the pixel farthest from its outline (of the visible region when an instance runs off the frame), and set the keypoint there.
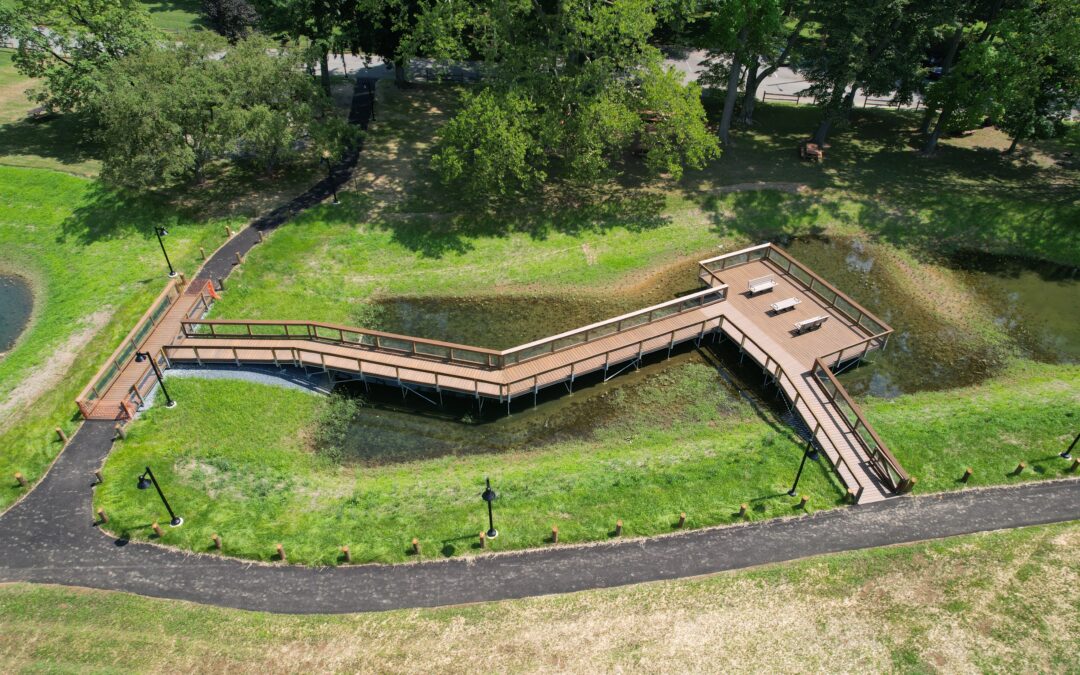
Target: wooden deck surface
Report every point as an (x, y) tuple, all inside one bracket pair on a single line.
[(769, 339)]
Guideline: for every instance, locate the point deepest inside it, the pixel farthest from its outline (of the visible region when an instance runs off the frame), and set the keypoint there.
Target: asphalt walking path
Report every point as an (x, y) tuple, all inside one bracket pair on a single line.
[(51, 535)]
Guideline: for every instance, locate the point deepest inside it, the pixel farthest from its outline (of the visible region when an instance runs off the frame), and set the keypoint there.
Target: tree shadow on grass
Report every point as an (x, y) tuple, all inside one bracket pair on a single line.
[(560, 209), (59, 138)]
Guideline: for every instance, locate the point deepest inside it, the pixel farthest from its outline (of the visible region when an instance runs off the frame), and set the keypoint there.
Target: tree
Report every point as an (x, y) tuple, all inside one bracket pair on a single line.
[(166, 113), (741, 29), (776, 54), (873, 45), (586, 77), (1021, 70), (384, 27), (66, 43), (232, 18), (316, 21)]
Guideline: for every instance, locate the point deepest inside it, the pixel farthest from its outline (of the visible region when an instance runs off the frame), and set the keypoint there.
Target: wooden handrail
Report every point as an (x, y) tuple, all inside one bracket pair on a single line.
[(81, 400), (784, 254), (779, 374), (497, 359), (905, 480)]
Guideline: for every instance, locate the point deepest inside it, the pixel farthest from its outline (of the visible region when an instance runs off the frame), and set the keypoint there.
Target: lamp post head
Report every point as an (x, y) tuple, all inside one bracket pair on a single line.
[(162, 232), (488, 495), (326, 154), (144, 482), (140, 357)]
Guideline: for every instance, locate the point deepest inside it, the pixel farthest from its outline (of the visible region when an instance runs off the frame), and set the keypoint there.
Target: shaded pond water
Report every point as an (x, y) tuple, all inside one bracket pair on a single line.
[(1033, 304), (16, 305)]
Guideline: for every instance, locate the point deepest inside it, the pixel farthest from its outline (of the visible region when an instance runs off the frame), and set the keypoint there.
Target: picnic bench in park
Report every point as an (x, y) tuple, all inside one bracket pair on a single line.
[(760, 285), (813, 323), (784, 305), (811, 151)]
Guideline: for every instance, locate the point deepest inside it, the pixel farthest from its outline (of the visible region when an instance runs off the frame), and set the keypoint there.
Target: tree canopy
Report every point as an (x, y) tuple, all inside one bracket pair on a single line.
[(164, 114), (576, 84), (66, 43)]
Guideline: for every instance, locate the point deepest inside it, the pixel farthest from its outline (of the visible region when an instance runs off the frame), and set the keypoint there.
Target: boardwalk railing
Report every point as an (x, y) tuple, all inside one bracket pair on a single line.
[(446, 351), (883, 461), (877, 335), (99, 384), (771, 366), (871, 325)]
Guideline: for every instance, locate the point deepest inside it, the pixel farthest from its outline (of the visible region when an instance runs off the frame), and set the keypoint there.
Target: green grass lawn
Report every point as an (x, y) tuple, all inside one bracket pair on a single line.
[(996, 602), (1027, 415), (95, 266), (236, 460), (174, 15)]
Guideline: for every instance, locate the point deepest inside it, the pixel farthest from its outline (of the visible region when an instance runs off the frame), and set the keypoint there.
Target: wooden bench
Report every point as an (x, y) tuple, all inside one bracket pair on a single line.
[(813, 323), (760, 285), (811, 151), (784, 305)]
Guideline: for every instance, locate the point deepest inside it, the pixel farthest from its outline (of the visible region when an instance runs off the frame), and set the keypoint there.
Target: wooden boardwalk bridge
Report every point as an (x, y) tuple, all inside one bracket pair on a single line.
[(800, 363)]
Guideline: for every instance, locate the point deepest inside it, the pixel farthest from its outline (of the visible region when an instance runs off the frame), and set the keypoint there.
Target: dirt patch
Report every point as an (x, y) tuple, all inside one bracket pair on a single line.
[(49, 375)]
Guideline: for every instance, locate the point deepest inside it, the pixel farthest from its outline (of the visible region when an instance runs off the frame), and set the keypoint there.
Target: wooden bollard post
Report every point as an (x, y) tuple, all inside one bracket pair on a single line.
[(228, 231), (102, 518), (742, 510), (281, 553), (416, 546), (1019, 469), (61, 435), (554, 534), (97, 476), (966, 476), (618, 528), (345, 553), (259, 234), (217, 541), (157, 530), (183, 279), (483, 540), (239, 258), (121, 432), (221, 283), (852, 496), (202, 252), (802, 501), (1075, 464), (20, 479), (682, 520)]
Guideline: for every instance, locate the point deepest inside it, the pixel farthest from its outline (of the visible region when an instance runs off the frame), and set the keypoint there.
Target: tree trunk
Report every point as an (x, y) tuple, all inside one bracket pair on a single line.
[(1012, 146), (324, 70), (946, 66), (732, 87), (399, 73), (746, 115), (943, 119), (833, 113)]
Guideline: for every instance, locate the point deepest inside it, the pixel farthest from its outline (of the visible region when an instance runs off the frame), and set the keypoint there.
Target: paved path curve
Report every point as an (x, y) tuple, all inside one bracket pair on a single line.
[(50, 537)]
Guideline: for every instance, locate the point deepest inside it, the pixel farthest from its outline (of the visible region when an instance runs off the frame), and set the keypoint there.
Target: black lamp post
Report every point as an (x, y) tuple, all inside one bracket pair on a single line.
[(809, 452), (145, 481), (1068, 453), (325, 159), (162, 232), (142, 356), (489, 496)]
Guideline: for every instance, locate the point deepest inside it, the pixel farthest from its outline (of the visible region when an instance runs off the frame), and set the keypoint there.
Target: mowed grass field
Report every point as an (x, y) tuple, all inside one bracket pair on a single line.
[(680, 443), (995, 602)]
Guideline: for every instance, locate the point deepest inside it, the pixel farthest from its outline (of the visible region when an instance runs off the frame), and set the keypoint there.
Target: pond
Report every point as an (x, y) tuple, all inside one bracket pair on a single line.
[(1032, 303), (16, 305)]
